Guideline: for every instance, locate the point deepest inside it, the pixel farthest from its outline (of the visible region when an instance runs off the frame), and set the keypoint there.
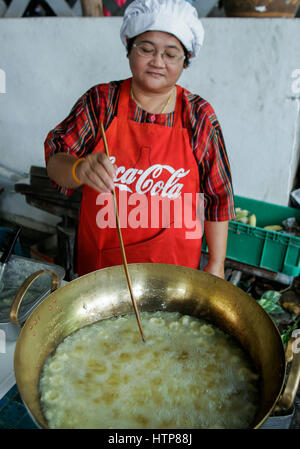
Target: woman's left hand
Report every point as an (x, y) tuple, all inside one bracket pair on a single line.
[(215, 268)]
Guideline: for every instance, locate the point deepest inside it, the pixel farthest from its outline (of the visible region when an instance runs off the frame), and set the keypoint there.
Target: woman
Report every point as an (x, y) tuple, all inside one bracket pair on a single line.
[(161, 139)]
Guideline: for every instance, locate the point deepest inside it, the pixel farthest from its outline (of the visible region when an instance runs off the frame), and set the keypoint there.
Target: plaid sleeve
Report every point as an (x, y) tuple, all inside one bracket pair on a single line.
[(214, 167), (216, 183), (76, 134)]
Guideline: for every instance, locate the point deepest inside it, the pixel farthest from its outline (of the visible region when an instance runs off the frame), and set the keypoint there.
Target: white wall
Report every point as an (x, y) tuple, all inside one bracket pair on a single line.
[(244, 70)]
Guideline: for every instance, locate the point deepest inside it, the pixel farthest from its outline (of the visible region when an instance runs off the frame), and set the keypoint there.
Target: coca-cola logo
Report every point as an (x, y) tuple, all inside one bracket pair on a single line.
[(157, 179)]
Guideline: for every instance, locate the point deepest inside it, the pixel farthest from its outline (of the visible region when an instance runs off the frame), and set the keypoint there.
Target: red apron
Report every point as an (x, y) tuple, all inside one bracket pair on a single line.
[(154, 163)]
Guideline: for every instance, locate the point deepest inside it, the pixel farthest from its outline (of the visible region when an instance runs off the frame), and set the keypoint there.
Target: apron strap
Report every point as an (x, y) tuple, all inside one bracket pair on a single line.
[(98, 133)]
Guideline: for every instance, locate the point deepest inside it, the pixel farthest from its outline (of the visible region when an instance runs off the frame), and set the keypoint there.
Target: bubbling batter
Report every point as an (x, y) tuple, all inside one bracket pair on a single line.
[(188, 374)]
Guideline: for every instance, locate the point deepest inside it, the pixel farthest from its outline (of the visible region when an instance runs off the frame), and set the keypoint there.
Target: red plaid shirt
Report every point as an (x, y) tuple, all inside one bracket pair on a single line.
[(76, 135)]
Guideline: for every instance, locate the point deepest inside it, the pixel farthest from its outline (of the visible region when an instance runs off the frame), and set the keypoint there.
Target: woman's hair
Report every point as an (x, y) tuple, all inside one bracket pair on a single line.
[(186, 61)]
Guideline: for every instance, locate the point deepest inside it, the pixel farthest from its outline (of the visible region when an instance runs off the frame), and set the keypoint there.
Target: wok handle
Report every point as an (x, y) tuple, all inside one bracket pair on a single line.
[(287, 398), (13, 316)]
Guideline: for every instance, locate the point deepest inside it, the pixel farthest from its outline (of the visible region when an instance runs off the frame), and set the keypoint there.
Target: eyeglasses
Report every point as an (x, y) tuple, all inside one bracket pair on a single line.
[(147, 50)]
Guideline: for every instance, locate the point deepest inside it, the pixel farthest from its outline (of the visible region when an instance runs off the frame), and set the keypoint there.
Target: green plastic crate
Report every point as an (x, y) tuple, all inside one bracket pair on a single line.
[(270, 250)]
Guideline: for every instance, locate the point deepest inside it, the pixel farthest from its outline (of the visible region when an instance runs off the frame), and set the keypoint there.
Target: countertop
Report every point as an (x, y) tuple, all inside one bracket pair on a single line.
[(13, 413)]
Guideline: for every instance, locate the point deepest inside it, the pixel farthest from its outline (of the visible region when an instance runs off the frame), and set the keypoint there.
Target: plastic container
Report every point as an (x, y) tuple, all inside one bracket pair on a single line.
[(270, 250)]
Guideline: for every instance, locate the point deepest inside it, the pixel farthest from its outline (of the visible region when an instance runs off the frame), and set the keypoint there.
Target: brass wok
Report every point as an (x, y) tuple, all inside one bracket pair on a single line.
[(104, 293)]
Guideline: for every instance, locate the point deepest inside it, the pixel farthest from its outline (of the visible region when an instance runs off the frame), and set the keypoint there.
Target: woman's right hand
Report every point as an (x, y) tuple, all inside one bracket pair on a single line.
[(97, 171)]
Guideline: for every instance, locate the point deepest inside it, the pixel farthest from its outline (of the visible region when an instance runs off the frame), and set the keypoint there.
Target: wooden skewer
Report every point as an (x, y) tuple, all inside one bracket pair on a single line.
[(121, 243)]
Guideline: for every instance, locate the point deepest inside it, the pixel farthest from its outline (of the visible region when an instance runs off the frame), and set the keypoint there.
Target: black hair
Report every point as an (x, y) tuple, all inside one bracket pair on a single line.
[(186, 61)]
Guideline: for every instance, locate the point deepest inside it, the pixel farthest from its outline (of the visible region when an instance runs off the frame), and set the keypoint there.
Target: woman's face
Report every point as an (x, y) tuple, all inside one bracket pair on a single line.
[(154, 73)]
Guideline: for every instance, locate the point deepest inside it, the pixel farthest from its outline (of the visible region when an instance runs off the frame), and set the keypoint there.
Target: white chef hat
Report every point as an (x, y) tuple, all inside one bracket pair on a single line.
[(177, 17)]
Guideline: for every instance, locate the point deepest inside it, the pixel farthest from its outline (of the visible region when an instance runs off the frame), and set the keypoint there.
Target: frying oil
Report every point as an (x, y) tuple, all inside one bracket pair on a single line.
[(188, 374)]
